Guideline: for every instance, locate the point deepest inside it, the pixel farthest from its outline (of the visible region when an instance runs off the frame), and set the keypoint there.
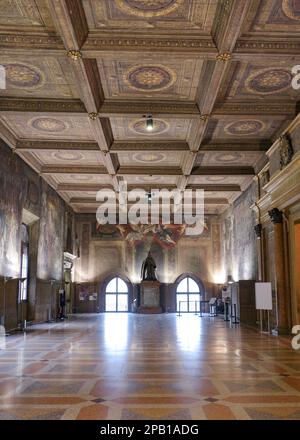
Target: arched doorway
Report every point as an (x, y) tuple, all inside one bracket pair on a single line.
[(116, 295), (189, 291)]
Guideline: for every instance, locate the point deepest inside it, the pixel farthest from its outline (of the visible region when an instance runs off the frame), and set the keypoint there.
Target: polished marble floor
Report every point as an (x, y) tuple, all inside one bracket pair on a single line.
[(124, 366)]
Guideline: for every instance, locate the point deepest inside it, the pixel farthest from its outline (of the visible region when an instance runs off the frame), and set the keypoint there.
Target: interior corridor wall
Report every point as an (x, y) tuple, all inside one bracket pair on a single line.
[(22, 188)]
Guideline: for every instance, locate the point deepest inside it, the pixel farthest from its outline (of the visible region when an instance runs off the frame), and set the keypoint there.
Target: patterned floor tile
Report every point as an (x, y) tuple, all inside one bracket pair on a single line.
[(154, 367)]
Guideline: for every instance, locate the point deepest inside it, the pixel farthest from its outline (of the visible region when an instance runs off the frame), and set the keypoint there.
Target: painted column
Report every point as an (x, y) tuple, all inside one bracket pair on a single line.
[(282, 301)]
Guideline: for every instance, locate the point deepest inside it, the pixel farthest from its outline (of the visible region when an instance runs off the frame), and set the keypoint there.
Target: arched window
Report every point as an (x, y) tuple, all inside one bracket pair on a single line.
[(188, 295), (116, 296)]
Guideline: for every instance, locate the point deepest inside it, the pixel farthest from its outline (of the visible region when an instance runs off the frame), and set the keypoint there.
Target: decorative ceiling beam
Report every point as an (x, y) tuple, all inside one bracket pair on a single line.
[(149, 171), (27, 42), (171, 109), (70, 19), (73, 169), (271, 48), (56, 145), (72, 24), (92, 201), (255, 108), (225, 31), (96, 187), (98, 43), (222, 171), (82, 186), (7, 136), (39, 105), (232, 146), (102, 45), (119, 146), (228, 22), (215, 188)]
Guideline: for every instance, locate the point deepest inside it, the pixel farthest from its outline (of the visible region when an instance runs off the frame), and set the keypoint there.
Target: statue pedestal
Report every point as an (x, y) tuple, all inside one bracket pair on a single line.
[(150, 297)]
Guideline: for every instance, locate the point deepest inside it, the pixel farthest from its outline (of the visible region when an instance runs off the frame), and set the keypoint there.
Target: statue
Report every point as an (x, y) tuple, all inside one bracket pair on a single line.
[(149, 269)]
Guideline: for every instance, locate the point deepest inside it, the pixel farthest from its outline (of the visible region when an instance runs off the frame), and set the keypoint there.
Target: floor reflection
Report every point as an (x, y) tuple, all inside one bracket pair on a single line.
[(131, 366), (188, 332), (116, 331)]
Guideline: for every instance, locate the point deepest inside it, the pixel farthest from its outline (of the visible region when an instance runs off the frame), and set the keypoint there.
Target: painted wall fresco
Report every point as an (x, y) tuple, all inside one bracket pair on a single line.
[(21, 187), (13, 190), (51, 238), (109, 249), (239, 254)]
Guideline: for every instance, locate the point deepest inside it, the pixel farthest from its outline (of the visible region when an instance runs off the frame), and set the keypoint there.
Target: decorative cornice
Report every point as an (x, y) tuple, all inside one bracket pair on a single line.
[(11, 104), (74, 54), (275, 216)]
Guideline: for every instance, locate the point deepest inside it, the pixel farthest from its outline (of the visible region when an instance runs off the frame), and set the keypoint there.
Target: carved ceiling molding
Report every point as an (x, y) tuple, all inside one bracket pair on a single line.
[(11, 104), (255, 108), (163, 171), (220, 170), (238, 147), (119, 146), (79, 169), (32, 41), (96, 43), (57, 145), (139, 107), (257, 47), (217, 188)]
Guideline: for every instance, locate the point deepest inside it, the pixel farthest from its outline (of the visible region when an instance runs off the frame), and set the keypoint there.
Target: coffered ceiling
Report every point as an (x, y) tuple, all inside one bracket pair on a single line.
[(82, 75)]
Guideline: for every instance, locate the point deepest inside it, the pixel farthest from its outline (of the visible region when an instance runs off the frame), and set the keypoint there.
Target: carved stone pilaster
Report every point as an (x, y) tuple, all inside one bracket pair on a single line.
[(275, 216), (258, 229)]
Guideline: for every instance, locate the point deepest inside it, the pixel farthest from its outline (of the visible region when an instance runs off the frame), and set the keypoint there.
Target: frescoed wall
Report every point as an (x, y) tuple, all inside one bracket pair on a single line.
[(239, 253), (13, 189), (22, 189), (111, 250), (50, 247)]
